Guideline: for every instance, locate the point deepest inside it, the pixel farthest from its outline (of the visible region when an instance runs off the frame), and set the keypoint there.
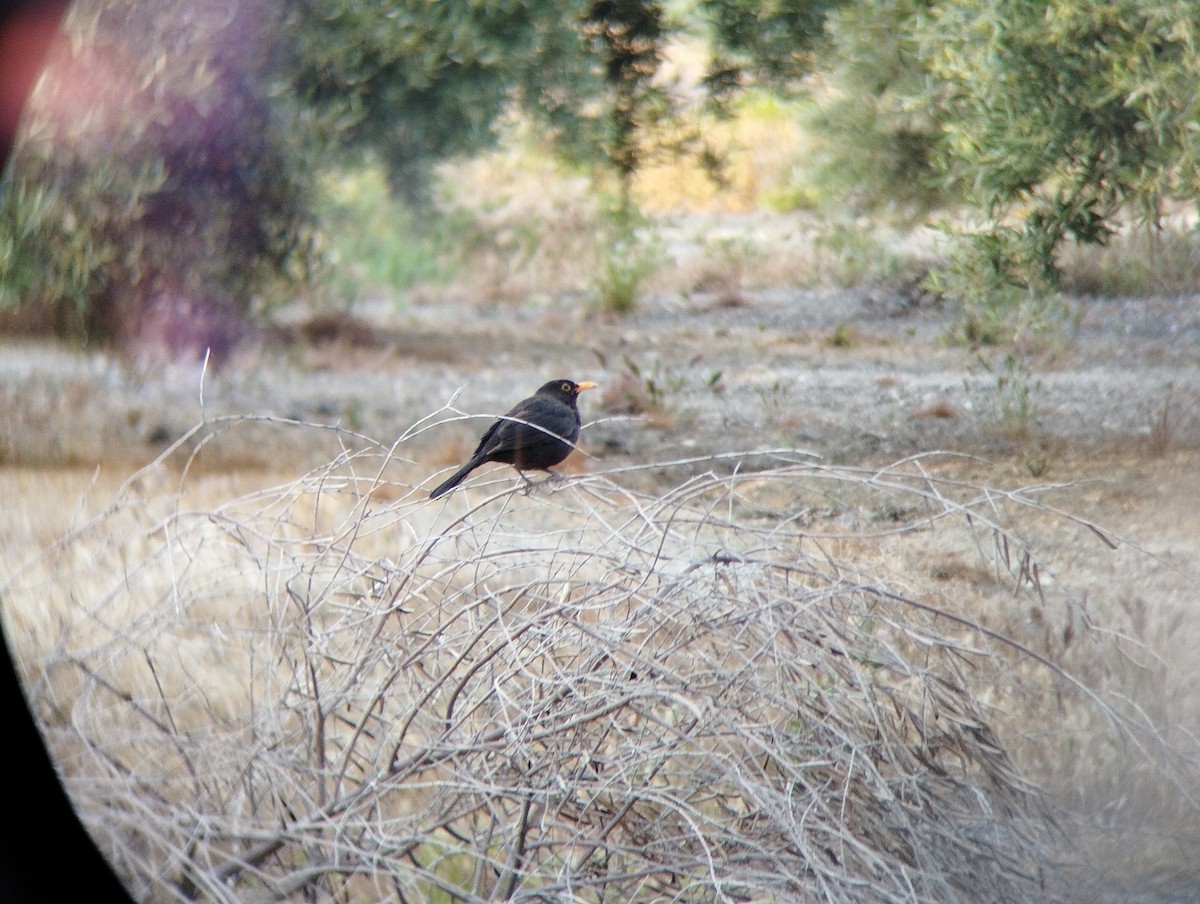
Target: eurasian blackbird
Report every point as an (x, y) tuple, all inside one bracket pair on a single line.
[(538, 433)]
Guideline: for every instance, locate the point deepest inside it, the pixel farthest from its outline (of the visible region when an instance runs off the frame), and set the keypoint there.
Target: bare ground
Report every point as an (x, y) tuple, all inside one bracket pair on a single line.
[(857, 375)]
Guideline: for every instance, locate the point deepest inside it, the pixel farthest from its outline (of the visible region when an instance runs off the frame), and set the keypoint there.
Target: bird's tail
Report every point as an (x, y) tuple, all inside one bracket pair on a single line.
[(455, 479)]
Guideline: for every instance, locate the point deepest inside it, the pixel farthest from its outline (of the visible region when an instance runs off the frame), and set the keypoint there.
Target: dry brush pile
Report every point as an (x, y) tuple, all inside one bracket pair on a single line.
[(335, 689)]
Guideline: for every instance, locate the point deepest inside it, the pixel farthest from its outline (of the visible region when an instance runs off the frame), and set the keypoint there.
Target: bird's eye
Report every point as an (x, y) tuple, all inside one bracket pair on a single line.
[(566, 387)]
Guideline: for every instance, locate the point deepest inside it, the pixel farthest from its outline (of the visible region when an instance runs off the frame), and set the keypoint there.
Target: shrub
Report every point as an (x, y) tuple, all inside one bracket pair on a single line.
[(338, 689)]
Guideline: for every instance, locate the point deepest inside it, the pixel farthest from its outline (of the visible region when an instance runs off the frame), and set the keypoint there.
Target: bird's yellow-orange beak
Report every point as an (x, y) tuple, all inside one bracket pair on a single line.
[(586, 384)]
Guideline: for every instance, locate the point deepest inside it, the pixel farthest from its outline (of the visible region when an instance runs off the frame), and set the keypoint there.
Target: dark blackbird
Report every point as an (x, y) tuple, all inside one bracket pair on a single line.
[(536, 434)]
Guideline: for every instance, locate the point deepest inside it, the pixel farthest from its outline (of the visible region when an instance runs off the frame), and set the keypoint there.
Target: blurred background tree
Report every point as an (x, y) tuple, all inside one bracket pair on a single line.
[(418, 82), (776, 42), (877, 117), (164, 184), (1065, 119), (155, 189)]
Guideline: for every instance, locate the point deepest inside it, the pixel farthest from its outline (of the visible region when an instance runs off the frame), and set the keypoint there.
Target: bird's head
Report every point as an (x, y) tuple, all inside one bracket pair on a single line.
[(567, 390)]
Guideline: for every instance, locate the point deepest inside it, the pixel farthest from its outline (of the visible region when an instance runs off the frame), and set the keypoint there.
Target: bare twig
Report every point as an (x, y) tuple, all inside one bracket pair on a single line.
[(577, 693)]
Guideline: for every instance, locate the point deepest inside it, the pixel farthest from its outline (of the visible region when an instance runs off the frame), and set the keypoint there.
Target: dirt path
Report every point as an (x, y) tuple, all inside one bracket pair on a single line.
[(849, 375)]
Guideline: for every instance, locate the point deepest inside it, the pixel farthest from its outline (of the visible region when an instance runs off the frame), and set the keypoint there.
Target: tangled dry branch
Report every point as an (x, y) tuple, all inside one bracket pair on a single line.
[(336, 689)]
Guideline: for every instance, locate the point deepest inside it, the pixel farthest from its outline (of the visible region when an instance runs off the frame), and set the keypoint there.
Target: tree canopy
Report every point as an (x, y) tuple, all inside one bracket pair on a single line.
[(1083, 113)]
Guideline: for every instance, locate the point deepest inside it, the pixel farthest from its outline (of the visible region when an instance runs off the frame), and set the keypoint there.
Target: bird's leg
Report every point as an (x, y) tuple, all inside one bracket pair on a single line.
[(553, 478), (531, 484)]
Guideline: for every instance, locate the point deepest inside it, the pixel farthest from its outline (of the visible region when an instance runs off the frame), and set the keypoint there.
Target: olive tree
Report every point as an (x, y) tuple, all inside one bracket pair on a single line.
[(1068, 118)]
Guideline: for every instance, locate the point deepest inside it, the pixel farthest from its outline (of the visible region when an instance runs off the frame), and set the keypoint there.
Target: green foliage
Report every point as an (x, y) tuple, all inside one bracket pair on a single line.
[(60, 231), (1066, 115), (418, 81), (996, 278), (847, 253), (151, 161), (843, 336), (869, 107), (175, 144), (772, 41), (658, 385), (1013, 406), (1056, 121), (636, 117), (629, 257), (776, 400), (878, 119), (598, 98), (374, 240), (627, 36)]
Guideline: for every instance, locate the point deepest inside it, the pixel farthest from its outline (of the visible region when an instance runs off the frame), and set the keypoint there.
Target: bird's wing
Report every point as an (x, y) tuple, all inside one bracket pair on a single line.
[(516, 431), (487, 438)]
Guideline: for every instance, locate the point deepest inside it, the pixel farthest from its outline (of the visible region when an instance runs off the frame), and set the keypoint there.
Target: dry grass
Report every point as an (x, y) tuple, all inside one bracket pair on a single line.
[(1137, 261), (739, 689), (538, 230), (534, 229), (763, 148)]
